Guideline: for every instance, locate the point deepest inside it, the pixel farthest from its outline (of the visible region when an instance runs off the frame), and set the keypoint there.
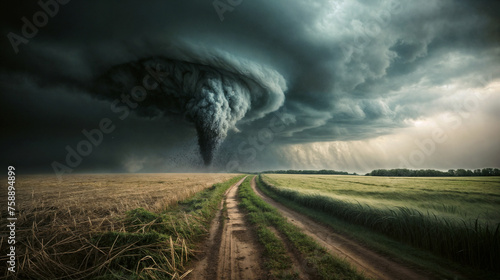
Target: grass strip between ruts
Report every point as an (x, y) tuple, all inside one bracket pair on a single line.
[(264, 217)]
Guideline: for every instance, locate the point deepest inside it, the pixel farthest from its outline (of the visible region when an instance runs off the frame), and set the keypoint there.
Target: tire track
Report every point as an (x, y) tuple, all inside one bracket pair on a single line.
[(231, 251)]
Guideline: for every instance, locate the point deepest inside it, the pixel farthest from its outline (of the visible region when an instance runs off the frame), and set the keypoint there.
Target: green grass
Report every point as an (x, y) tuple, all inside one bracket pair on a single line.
[(465, 198), (159, 245), (411, 256), (467, 242), (264, 217)]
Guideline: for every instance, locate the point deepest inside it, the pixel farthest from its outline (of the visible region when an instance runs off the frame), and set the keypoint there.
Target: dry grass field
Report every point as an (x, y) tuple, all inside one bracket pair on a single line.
[(56, 220), (102, 196)]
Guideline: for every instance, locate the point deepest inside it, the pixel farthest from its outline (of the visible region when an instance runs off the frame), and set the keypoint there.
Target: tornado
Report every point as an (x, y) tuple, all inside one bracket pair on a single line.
[(215, 105), (211, 91)]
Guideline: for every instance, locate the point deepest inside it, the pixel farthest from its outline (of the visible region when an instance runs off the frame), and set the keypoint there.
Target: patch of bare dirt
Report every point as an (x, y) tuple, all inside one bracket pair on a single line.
[(231, 251)]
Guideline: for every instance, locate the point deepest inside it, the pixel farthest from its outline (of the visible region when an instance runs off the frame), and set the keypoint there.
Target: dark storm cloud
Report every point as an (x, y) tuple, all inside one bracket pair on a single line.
[(350, 70)]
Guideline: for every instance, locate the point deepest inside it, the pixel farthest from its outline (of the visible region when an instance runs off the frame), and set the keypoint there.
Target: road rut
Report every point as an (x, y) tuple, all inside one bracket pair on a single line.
[(232, 251)]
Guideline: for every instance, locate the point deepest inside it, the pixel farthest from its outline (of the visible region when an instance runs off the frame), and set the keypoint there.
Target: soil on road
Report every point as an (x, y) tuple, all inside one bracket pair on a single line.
[(231, 251)]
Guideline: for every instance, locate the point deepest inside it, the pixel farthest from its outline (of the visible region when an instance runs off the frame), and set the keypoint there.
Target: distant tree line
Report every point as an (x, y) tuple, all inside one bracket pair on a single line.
[(327, 172), (434, 173)]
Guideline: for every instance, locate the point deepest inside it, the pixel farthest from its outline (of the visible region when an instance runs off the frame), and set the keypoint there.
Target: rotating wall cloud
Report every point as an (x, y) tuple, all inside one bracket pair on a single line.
[(212, 91)]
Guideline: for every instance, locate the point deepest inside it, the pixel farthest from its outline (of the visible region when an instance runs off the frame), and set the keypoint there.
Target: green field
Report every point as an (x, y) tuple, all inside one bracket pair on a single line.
[(461, 198), (457, 219)]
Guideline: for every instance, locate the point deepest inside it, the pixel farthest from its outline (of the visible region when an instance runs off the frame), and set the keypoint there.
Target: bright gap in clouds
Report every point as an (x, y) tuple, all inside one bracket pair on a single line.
[(463, 136)]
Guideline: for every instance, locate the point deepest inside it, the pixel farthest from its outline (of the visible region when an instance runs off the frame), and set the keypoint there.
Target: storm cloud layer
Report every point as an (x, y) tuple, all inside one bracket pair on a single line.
[(213, 95), (346, 80)]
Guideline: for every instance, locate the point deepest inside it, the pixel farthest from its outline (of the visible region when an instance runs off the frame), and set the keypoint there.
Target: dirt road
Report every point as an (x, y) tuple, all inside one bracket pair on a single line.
[(231, 251), (372, 264)]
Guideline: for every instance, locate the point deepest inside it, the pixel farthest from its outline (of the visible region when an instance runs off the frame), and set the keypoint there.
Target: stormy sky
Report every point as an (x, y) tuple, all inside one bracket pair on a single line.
[(169, 86)]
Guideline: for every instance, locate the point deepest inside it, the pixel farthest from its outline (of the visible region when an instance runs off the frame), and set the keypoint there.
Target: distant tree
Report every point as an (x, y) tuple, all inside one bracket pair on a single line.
[(487, 172), (401, 172), (434, 173), (461, 172)]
